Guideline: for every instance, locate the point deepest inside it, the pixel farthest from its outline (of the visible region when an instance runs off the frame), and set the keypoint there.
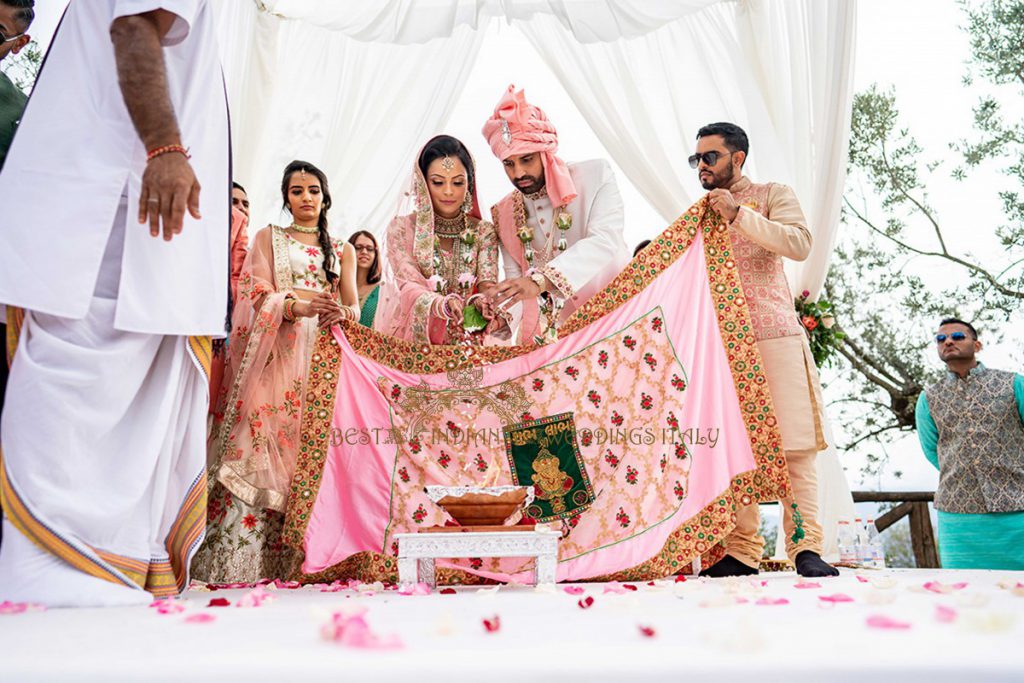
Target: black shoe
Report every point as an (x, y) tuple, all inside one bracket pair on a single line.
[(809, 563), (728, 566)]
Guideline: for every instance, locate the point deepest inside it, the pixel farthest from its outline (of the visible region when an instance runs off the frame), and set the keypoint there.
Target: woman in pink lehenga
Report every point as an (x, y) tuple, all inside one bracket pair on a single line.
[(442, 257), (296, 283)]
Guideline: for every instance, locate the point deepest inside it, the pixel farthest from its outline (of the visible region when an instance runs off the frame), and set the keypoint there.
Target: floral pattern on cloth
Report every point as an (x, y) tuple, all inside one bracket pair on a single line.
[(419, 415), (307, 264), (243, 543), (724, 381)]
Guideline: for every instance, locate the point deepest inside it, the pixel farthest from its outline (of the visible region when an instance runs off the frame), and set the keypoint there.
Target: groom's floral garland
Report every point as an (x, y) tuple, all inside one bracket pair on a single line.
[(549, 306)]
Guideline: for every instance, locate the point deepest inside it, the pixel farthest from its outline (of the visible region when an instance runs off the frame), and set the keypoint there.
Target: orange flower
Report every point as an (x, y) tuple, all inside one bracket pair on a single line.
[(809, 321)]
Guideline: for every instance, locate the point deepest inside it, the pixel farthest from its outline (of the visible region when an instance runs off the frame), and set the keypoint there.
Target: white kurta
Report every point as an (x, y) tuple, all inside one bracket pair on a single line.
[(74, 153), (596, 243)]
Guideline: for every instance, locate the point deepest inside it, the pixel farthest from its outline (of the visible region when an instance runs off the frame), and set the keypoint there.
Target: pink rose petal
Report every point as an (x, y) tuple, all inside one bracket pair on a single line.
[(838, 597), (863, 579), (200, 618), (647, 631), (167, 606), (881, 621), (447, 591), (415, 589), (8, 607), (680, 578), (586, 603), (772, 601), (219, 602), (806, 584), (352, 630), (257, 597), (741, 601), (574, 590), (614, 587), (945, 615), (492, 625), (630, 587), (939, 587)]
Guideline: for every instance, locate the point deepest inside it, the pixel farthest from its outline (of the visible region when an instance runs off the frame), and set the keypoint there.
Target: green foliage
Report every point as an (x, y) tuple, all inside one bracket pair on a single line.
[(893, 233), (23, 67)]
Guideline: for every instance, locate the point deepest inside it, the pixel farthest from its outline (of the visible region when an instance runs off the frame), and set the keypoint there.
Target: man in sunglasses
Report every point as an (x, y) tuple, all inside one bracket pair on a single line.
[(766, 225), (971, 427)]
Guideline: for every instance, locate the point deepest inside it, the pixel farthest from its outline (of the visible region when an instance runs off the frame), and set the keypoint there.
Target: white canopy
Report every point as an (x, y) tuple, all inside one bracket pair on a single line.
[(358, 86)]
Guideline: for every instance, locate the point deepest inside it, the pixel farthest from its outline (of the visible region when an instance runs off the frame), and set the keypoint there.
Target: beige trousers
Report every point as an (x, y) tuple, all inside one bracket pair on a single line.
[(747, 546)]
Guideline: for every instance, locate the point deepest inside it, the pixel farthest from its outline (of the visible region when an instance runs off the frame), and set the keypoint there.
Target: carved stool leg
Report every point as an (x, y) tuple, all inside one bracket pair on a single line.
[(427, 574), (545, 568), (407, 570)]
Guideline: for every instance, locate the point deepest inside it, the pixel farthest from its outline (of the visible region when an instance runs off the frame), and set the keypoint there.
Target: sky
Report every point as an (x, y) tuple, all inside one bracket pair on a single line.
[(916, 46)]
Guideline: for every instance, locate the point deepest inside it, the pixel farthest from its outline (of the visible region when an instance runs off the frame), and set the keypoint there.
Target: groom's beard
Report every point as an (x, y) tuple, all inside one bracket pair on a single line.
[(529, 184)]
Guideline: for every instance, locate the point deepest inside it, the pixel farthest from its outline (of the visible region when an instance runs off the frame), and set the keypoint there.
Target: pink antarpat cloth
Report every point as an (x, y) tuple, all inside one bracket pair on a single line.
[(372, 489)]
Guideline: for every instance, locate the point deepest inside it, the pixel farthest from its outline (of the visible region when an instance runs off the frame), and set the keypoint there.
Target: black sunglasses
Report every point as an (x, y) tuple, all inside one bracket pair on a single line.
[(710, 158), (956, 336)]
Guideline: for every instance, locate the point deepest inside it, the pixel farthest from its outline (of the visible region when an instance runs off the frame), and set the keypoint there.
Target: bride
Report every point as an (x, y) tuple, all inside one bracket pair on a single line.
[(442, 257)]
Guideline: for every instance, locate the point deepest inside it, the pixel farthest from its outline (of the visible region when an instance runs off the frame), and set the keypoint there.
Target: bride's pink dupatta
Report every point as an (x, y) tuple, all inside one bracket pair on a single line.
[(255, 435)]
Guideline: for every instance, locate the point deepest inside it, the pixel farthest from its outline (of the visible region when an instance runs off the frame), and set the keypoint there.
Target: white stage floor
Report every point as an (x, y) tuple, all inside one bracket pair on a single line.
[(702, 630)]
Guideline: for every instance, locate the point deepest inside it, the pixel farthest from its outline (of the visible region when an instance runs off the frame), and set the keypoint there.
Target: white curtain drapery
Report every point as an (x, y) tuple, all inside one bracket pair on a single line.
[(357, 87), (419, 21)]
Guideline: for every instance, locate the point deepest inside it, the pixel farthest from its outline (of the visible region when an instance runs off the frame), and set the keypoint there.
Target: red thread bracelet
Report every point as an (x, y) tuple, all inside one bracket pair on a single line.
[(167, 149)]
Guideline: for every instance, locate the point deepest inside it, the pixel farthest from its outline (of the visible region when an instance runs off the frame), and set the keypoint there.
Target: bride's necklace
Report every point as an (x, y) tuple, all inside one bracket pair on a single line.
[(449, 227), (303, 229)]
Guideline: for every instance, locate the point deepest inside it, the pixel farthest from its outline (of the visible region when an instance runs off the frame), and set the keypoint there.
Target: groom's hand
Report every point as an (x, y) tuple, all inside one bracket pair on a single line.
[(513, 291), (724, 203)]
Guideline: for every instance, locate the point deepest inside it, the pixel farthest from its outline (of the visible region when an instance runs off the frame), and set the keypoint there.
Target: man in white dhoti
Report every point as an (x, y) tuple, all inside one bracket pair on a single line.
[(561, 228), (103, 434)]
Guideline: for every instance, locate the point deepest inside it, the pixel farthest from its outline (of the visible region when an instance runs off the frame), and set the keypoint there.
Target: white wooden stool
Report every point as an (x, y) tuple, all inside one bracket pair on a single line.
[(417, 552)]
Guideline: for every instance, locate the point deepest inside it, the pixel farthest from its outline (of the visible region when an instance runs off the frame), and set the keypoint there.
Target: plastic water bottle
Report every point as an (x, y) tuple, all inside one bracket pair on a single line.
[(863, 550), (876, 550), (847, 541)]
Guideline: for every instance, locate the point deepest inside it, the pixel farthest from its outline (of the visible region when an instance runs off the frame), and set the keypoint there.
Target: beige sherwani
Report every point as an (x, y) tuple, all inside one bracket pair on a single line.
[(771, 226)]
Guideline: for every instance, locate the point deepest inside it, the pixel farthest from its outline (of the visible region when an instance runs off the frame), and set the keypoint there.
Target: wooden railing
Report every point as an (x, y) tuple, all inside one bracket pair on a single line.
[(914, 504)]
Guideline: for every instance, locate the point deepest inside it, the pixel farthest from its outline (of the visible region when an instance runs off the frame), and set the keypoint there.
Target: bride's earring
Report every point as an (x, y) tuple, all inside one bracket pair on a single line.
[(467, 205)]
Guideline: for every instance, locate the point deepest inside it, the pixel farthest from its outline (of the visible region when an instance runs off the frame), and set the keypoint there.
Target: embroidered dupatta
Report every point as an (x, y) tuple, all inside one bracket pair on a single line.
[(256, 430)]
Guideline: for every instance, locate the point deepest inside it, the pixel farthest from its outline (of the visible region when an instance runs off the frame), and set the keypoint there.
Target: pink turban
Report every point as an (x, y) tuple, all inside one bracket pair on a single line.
[(517, 127)]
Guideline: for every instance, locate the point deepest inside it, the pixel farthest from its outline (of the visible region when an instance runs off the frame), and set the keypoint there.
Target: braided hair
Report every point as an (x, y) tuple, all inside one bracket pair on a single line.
[(324, 237)]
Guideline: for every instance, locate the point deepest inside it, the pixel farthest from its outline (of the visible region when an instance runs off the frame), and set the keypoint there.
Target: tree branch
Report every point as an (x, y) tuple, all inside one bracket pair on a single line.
[(987, 276), (871, 435)]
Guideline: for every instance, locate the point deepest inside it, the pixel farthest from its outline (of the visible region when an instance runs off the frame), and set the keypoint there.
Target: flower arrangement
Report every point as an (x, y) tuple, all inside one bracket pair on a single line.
[(818, 318)]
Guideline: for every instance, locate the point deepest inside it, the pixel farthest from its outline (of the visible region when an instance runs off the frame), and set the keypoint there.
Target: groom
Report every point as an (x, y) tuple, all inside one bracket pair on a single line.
[(561, 228)]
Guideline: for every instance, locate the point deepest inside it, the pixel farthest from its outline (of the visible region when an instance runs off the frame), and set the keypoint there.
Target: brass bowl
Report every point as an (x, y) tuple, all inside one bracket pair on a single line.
[(481, 505)]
